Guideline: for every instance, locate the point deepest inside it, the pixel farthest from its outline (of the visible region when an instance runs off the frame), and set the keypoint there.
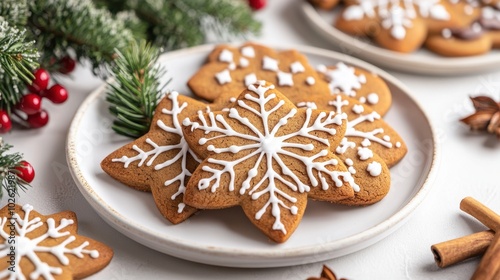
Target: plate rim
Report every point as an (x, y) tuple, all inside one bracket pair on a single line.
[(130, 227), (440, 65)]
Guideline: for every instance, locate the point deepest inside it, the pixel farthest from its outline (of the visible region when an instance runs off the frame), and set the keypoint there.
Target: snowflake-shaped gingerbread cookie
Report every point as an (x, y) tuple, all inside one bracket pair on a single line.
[(34, 246), (268, 156), (161, 160)]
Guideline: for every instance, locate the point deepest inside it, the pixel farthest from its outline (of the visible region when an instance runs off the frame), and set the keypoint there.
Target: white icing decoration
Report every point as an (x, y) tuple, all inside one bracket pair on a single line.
[(351, 170), (180, 207), (250, 79), (351, 130), (396, 15), (226, 56), (223, 77), (248, 51), (268, 149), (446, 33), (372, 98), (307, 104), (344, 145), (322, 68), (398, 144), (269, 63), (297, 67), (182, 146), (231, 66), (374, 168), (232, 100), (476, 27), (387, 138), (244, 62), (358, 109), (29, 247), (364, 153), (285, 79), (310, 81), (349, 162), (344, 79), (468, 9), (366, 142), (362, 99)]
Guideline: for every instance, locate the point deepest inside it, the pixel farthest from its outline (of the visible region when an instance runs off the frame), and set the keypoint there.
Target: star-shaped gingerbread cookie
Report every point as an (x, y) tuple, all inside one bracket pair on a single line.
[(161, 160), (267, 156), (34, 246)]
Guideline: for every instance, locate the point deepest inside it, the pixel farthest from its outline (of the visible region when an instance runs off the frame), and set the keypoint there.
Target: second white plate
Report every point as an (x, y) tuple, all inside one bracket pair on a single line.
[(420, 62), (226, 237)]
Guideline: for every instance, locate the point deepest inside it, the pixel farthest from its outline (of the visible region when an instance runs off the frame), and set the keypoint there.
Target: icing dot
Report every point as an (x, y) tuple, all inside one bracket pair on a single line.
[(232, 99), (226, 56), (366, 142), (269, 63), (387, 138), (250, 79), (310, 81), (244, 62), (374, 168), (321, 68), (358, 109), (248, 51), (223, 77), (180, 207), (94, 254), (446, 33), (285, 79), (398, 144), (476, 27), (468, 10), (294, 210), (297, 67), (364, 153), (362, 99), (372, 98), (232, 66), (349, 162), (351, 170)]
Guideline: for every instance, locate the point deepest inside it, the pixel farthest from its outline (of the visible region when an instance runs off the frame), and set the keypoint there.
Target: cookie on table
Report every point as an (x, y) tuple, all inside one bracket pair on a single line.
[(267, 156), (230, 70), (47, 247), (357, 83), (160, 161)]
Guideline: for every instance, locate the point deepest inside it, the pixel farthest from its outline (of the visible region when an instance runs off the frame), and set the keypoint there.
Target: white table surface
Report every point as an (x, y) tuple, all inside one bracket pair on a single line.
[(469, 166)]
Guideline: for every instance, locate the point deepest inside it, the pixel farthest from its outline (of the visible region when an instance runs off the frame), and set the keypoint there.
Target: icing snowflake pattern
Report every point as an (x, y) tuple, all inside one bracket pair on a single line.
[(396, 15), (184, 150), (270, 151), (27, 248)]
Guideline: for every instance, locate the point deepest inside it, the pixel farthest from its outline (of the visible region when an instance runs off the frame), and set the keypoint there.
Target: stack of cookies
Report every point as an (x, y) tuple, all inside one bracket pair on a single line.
[(271, 132), (446, 27)]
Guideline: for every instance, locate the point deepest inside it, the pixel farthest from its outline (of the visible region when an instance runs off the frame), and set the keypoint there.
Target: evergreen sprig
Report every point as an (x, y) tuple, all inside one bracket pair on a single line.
[(8, 164), (136, 89), (18, 57), (63, 25)]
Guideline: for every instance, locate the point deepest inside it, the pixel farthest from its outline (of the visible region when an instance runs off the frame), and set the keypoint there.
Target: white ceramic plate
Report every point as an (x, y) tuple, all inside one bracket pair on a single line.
[(226, 237), (420, 62)]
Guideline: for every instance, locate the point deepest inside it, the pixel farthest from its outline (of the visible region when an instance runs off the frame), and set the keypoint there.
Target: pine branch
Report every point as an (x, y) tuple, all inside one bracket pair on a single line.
[(136, 89), (60, 25), (18, 57), (8, 164), (15, 12)]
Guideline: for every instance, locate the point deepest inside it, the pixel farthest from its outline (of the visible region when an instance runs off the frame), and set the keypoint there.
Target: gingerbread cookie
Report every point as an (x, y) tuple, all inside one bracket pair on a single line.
[(357, 83), (324, 4), (160, 161), (231, 70), (47, 247), (267, 156), (366, 136)]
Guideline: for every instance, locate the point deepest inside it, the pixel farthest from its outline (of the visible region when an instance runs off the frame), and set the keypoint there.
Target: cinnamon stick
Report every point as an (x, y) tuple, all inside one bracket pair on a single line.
[(479, 211), (459, 249), (489, 267)]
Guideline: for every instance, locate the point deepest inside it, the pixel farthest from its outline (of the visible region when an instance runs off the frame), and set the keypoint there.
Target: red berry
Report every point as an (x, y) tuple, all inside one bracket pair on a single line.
[(257, 4), (26, 171), (38, 120), (30, 103), (67, 65), (41, 80), (57, 94), (5, 122)]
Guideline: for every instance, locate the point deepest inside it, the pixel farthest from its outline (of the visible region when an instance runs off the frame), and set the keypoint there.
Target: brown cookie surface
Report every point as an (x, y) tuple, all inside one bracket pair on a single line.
[(160, 161), (47, 247), (267, 156)]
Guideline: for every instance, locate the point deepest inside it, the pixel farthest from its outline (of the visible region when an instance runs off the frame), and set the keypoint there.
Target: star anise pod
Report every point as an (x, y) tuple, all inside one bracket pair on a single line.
[(326, 274), (486, 117)]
